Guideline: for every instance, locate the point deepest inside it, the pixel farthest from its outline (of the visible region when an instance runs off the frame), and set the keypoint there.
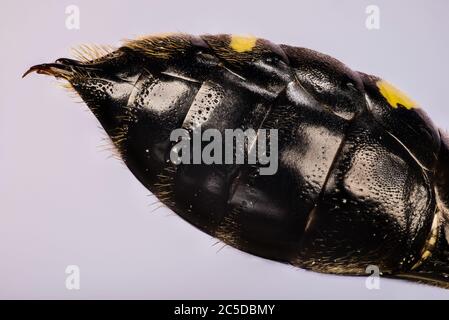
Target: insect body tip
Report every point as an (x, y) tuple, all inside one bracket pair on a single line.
[(61, 68), (30, 70)]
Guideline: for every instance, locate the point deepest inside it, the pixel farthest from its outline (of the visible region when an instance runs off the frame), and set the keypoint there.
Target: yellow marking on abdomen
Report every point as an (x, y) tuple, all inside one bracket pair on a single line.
[(394, 96), (242, 43)]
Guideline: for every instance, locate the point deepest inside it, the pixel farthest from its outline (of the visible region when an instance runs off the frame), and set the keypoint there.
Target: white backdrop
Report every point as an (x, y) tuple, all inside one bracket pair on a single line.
[(64, 202)]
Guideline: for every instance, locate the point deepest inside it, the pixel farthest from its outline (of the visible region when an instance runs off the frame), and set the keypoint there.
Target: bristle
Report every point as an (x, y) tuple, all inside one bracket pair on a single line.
[(67, 86), (164, 187), (108, 146), (91, 52), (162, 46)]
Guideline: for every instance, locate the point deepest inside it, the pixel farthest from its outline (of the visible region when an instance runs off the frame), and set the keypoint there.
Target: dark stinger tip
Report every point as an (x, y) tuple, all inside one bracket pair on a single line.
[(30, 70), (62, 68)]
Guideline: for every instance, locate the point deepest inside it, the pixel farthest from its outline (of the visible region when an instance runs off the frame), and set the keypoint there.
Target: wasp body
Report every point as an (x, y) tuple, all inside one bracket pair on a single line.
[(363, 173)]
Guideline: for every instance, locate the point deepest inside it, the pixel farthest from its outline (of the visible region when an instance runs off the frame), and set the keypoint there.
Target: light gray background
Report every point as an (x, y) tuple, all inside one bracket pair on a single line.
[(62, 201)]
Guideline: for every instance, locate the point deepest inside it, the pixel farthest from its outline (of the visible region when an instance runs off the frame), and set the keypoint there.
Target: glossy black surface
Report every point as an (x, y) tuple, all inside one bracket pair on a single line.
[(359, 181)]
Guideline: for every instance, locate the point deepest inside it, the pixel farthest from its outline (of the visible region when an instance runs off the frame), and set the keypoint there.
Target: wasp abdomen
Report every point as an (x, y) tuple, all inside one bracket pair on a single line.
[(361, 172)]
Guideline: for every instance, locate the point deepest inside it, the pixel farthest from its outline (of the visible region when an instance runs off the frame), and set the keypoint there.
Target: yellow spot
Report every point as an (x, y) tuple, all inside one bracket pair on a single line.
[(394, 96), (242, 43)]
